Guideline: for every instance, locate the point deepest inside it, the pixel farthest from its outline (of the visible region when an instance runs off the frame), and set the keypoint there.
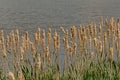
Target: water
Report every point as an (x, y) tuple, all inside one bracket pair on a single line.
[(28, 14)]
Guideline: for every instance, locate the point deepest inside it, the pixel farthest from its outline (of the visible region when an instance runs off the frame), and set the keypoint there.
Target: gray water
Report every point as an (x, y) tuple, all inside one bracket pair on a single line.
[(28, 14)]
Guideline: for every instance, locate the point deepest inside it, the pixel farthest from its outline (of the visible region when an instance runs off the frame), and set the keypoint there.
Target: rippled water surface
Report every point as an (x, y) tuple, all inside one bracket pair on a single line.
[(27, 14)]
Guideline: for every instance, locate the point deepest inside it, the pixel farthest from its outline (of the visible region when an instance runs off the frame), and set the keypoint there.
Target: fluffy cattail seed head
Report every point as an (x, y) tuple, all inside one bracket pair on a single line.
[(47, 51), (100, 29), (100, 48), (26, 40), (16, 40), (70, 50), (49, 37), (111, 53), (43, 45), (95, 42), (23, 42), (94, 30), (17, 36), (73, 32), (75, 47), (62, 29), (36, 39), (91, 55), (58, 42), (38, 35), (108, 33), (32, 48), (90, 41), (7, 41), (21, 53), (38, 64), (1, 33), (20, 75), (11, 76), (106, 23), (43, 34), (4, 52), (91, 29)]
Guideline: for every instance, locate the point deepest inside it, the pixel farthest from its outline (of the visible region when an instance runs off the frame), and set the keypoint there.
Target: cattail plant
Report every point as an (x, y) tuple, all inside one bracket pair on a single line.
[(1, 35), (100, 46), (12, 35), (26, 36), (91, 29), (113, 38), (95, 42), (81, 26), (11, 76), (32, 48), (21, 53), (10, 42), (106, 23), (58, 42), (43, 49), (105, 44), (16, 40), (74, 47), (36, 39), (2, 39), (43, 41), (4, 51), (73, 33), (92, 54), (111, 53), (0, 44), (118, 42), (101, 20), (62, 29), (100, 29), (70, 50), (33, 51), (20, 75), (55, 41), (47, 53), (94, 30), (23, 43), (90, 43), (49, 37), (38, 35), (38, 64), (79, 36), (108, 33), (111, 23), (7, 42)]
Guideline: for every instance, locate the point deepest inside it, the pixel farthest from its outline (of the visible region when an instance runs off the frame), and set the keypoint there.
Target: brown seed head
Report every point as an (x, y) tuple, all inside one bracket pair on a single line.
[(62, 29), (38, 64), (11, 76), (111, 52), (95, 42), (32, 48), (21, 53), (20, 75)]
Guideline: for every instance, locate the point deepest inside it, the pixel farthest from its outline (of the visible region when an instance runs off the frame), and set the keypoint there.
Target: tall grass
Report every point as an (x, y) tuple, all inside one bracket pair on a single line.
[(90, 52)]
